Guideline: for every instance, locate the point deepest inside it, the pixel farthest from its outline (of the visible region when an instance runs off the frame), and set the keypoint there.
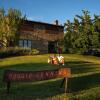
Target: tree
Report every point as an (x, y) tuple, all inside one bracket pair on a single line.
[(83, 33), (10, 24), (2, 27), (68, 36), (96, 30)]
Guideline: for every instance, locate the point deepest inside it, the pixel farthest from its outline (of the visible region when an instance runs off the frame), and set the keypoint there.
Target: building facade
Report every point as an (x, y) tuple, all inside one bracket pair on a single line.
[(41, 36)]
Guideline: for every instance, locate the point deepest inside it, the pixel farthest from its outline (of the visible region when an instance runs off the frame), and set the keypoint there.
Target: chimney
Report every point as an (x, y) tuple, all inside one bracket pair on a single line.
[(56, 22)]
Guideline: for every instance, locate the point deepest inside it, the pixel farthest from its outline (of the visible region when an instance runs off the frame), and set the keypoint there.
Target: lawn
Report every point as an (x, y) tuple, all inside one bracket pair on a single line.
[(84, 83)]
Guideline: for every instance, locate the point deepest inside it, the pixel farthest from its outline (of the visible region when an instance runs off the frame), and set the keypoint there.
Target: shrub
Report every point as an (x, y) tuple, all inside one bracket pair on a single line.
[(94, 52), (34, 52), (17, 51), (14, 51)]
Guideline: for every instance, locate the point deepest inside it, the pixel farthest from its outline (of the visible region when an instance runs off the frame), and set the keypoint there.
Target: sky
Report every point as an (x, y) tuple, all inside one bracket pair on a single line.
[(50, 10)]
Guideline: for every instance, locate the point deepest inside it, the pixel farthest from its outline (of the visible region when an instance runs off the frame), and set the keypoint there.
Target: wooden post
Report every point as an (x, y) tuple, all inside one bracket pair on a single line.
[(62, 82), (8, 87), (66, 85)]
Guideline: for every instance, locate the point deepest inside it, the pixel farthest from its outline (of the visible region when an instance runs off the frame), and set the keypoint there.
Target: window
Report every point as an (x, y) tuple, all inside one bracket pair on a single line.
[(29, 43), (25, 43), (21, 43)]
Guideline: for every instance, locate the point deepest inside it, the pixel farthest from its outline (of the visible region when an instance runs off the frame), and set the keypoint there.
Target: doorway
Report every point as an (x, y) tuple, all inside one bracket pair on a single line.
[(52, 45)]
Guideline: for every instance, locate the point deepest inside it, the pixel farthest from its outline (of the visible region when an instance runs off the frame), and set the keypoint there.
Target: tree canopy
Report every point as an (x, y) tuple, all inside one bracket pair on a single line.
[(83, 33), (9, 26)]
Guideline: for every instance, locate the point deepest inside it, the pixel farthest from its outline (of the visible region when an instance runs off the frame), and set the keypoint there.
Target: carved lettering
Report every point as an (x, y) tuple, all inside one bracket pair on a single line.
[(11, 75)]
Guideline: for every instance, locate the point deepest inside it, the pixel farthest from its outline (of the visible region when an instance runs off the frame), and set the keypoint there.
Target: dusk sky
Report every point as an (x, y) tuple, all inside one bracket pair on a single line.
[(50, 10)]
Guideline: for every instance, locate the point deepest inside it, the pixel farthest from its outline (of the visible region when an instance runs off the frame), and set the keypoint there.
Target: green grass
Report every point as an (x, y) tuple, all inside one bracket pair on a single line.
[(83, 85)]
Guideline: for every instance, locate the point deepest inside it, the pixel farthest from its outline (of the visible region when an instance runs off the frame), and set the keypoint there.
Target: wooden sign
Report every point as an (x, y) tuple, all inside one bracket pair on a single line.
[(11, 75), (28, 76)]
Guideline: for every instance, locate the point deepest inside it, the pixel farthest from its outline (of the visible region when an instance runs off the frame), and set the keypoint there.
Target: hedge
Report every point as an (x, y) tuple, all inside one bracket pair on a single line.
[(17, 51)]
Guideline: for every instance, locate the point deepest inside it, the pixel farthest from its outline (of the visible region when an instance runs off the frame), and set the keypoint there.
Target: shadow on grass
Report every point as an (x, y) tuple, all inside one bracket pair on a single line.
[(49, 88), (79, 67), (84, 82), (33, 91), (29, 90)]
